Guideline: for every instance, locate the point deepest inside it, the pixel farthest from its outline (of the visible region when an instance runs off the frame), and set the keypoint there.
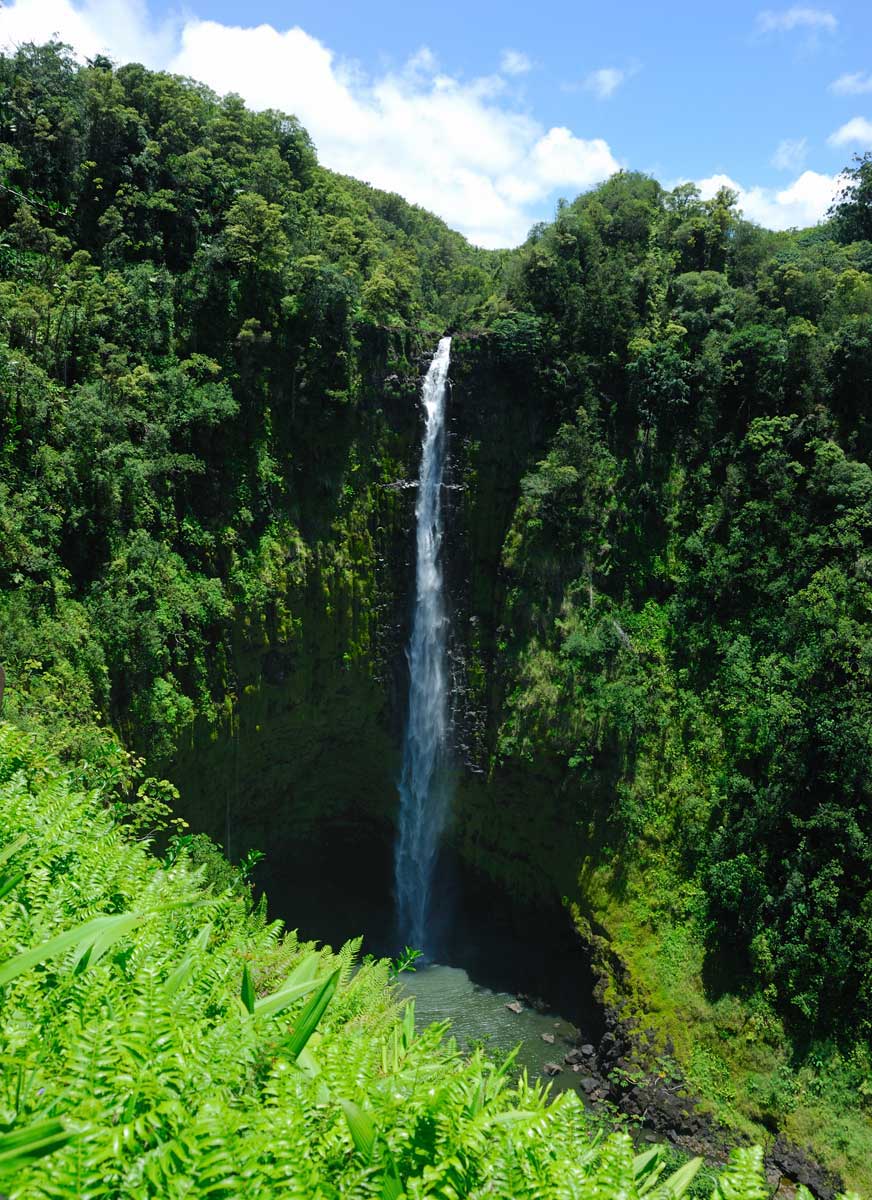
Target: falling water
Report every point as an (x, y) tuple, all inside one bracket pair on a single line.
[(424, 784)]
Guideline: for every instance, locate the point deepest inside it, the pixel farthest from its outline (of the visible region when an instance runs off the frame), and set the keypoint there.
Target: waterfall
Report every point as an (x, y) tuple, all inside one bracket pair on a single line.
[(424, 783)]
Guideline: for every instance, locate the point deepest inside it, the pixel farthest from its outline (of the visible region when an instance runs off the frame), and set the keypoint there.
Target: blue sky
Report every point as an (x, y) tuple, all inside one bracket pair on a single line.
[(487, 112)]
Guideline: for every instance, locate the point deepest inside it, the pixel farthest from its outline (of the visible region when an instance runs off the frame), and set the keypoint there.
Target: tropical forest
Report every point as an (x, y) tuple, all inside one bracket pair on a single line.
[(435, 680)]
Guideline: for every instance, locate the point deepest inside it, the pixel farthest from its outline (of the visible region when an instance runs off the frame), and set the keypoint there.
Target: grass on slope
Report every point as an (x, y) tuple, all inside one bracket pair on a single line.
[(733, 1050)]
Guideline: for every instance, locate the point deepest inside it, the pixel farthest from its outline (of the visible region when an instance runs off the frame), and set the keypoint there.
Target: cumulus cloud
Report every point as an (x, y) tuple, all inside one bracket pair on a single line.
[(515, 62), (790, 154), (120, 28), (855, 84), (454, 146), (605, 82), (798, 17), (558, 156), (856, 132), (802, 203)]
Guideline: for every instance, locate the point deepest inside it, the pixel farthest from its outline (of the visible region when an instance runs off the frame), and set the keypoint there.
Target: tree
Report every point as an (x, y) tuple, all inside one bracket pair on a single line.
[(254, 236), (852, 208)]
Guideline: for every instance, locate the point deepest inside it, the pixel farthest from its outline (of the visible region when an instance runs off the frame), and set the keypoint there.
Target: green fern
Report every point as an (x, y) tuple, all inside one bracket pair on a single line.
[(157, 1039)]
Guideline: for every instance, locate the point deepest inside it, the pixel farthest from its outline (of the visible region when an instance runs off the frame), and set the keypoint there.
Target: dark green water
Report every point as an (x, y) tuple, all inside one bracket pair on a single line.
[(478, 1014)]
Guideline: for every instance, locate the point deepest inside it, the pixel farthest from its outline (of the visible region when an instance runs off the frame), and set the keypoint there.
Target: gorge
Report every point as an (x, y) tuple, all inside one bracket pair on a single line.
[(633, 603)]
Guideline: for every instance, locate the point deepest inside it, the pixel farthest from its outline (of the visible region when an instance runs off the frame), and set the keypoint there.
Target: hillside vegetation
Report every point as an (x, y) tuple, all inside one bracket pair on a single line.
[(683, 643), (189, 314)]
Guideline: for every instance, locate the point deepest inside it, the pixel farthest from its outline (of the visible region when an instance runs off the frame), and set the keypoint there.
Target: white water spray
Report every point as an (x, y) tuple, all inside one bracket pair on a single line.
[(424, 784)]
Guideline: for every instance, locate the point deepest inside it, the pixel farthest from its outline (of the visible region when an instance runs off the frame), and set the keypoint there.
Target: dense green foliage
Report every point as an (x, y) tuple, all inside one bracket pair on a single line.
[(189, 310), (683, 647), (691, 565), (159, 1038)]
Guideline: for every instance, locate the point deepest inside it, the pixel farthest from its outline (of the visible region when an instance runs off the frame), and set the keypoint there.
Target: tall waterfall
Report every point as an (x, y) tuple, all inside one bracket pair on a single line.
[(424, 783)]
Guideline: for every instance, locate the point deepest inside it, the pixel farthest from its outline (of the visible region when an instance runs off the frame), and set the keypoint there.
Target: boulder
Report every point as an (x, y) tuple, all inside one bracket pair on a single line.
[(799, 1168)]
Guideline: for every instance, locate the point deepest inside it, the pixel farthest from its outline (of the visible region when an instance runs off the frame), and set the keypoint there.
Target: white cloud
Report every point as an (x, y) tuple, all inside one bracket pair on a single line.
[(453, 146), (856, 132), (422, 61), (790, 154), (605, 82), (118, 27), (559, 160), (515, 62), (852, 85), (560, 157), (797, 17), (804, 202)]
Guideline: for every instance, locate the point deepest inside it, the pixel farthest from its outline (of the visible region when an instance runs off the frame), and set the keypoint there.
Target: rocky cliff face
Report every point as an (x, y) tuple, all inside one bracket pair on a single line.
[(304, 762), (498, 427), (509, 824)]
